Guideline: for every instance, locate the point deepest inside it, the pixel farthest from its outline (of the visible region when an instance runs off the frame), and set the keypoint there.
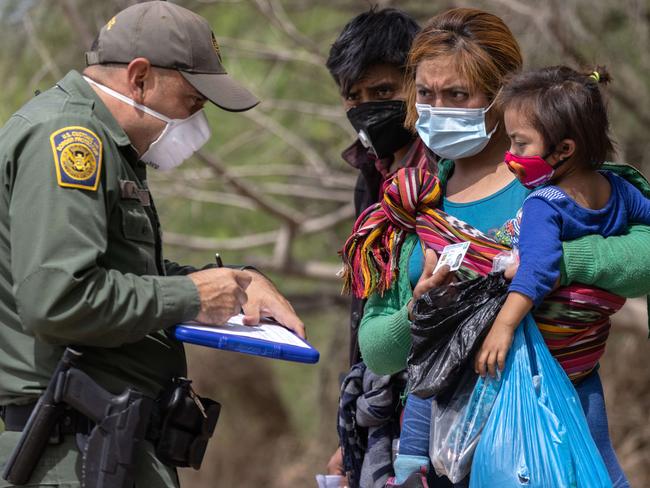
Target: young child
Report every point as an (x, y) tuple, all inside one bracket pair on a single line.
[(557, 124)]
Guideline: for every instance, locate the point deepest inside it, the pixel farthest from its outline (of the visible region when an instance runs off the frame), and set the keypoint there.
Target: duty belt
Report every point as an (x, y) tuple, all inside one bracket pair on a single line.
[(72, 422), (15, 418), (179, 424)]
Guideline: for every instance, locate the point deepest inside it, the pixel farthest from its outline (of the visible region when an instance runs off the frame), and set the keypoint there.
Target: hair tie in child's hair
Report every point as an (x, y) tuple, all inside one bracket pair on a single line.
[(595, 75)]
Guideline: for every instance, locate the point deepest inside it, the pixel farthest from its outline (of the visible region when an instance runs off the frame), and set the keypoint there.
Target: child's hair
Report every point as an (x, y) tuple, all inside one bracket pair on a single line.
[(562, 103)]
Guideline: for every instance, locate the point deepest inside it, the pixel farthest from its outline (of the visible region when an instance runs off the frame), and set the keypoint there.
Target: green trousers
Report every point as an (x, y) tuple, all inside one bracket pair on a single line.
[(60, 465)]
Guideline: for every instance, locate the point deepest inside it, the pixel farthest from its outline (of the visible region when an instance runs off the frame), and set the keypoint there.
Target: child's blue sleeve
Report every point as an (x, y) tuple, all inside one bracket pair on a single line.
[(637, 205), (540, 250)]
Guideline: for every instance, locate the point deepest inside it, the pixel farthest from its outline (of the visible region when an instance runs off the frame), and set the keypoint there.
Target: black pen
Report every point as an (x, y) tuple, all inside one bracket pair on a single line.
[(217, 258)]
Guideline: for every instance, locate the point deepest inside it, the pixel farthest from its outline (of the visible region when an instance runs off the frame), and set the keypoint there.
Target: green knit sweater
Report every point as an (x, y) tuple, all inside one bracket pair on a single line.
[(619, 264)]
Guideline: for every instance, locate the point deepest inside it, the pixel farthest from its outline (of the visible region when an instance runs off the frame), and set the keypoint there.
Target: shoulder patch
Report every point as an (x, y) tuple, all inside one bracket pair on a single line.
[(77, 157)]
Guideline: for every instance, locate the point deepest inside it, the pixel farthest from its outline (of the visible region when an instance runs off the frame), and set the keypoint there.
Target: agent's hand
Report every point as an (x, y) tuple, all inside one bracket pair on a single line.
[(494, 350), (428, 281), (264, 300), (222, 292)]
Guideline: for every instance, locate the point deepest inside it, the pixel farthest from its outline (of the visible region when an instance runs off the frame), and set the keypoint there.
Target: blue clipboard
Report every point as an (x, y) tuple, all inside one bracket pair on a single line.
[(287, 345)]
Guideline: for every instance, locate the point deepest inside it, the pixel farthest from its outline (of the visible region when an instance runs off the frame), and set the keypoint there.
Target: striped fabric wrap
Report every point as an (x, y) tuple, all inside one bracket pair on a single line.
[(574, 320)]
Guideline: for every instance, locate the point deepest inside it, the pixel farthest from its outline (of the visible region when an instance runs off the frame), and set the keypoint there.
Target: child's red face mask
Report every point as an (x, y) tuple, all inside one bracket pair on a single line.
[(532, 171)]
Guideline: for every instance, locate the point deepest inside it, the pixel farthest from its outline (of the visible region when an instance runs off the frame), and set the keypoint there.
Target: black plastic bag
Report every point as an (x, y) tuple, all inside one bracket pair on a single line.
[(449, 324)]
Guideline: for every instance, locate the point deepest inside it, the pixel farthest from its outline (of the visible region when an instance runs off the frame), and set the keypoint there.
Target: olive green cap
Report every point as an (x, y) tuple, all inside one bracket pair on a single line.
[(173, 37)]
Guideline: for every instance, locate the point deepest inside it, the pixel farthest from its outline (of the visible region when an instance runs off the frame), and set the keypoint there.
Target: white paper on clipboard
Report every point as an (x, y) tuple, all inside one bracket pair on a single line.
[(266, 330)]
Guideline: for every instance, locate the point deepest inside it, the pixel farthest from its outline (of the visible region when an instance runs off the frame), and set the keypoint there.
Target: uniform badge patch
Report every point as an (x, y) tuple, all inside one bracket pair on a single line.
[(78, 157)]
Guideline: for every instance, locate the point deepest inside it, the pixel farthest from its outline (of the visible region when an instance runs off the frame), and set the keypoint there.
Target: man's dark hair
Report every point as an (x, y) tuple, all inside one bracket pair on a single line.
[(371, 38)]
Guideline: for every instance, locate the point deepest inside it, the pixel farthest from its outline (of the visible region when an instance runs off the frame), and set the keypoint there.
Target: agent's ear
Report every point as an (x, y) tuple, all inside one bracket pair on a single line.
[(565, 149), (139, 76)]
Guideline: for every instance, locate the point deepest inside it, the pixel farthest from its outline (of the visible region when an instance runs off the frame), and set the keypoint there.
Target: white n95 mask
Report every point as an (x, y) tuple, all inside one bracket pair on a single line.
[(453, 133), (179, 139)]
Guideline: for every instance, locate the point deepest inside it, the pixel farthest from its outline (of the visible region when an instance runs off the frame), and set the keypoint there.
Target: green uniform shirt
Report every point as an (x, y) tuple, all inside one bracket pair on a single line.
[(80, 252)]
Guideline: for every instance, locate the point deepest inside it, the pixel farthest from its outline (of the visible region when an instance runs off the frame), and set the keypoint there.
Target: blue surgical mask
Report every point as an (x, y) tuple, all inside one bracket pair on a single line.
[(453, 133)]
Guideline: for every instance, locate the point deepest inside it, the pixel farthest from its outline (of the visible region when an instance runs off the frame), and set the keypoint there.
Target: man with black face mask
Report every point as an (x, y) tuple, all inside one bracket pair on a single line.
[(367, 62)]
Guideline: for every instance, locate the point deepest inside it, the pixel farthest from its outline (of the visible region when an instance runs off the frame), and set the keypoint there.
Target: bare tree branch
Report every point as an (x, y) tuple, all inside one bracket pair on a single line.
[(274, 53), (328, 220), (569, 47), (306, 269), (520, 8), (274, 11), (282, 258), (552, 20), (197, 243), (344, 181), (249, 241), (38, 75), (234, 144), (298, 143), (219, 1), (305, 191), (201, 196), (276, 209), (334, 112), (77, 21), (38, 46)]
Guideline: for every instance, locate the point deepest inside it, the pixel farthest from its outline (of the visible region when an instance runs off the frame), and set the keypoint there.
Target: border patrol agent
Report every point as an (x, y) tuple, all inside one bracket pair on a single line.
[(80, 243)]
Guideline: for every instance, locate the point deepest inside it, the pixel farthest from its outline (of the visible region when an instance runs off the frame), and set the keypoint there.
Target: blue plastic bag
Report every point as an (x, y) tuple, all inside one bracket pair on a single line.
[(537, 435), (457, 423)]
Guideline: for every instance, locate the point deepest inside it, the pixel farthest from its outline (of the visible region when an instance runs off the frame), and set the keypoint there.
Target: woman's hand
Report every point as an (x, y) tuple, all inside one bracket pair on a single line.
[(511, 271), (428, 280), (335, 466)]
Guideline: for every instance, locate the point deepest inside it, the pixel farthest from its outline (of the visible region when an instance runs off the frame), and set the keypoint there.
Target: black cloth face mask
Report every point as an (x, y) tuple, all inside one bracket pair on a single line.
[(380, 126)]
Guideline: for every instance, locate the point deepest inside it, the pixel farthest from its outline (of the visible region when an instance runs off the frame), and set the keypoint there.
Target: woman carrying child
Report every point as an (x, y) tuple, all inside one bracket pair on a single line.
[(457, 65), (559, 138)]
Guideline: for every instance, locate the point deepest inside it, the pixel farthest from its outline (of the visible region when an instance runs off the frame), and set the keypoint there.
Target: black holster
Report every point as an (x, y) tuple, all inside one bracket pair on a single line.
[(184, 426), (179, 424), (108, 453), (117, 424)]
